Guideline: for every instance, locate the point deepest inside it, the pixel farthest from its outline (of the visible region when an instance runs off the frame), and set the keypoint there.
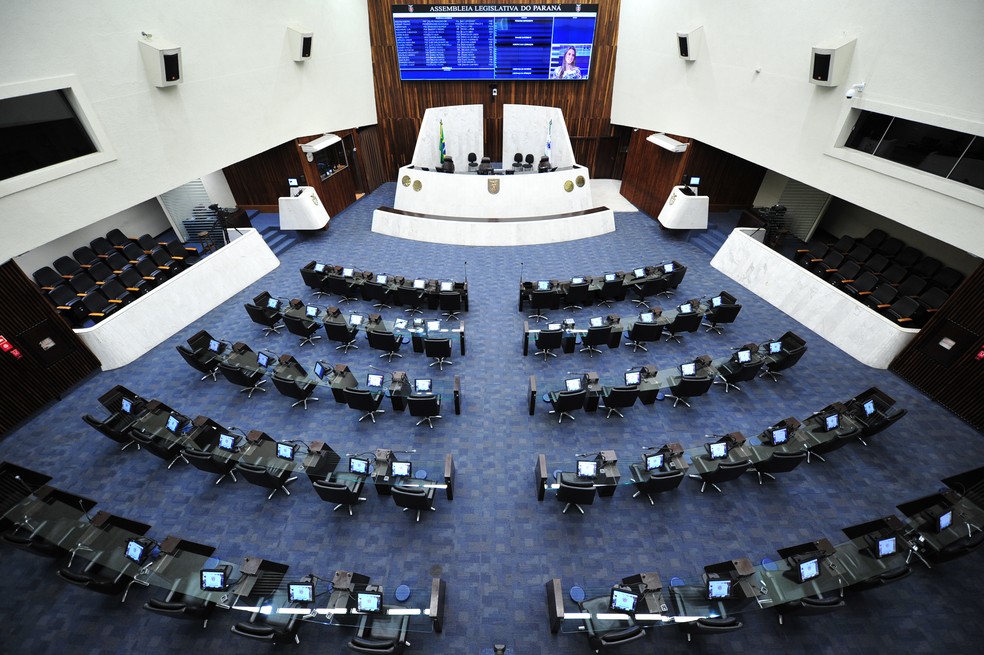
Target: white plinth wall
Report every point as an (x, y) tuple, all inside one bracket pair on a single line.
[(303, 211), (861, 332), (683, 212)]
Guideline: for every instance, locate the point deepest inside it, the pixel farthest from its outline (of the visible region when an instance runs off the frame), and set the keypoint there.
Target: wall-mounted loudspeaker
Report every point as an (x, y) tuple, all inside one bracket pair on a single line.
[(162, 61), (688, 43), (830, 61), (299, 41)]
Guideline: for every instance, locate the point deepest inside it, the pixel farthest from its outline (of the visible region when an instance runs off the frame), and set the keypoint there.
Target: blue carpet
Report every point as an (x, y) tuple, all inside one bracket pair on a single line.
[(495, 544)]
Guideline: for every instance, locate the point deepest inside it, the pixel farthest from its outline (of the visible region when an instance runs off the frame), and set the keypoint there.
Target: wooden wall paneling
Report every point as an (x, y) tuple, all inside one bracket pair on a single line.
[(953, 377), (651, 173), (259, 181), (730, 181), (40, 375)]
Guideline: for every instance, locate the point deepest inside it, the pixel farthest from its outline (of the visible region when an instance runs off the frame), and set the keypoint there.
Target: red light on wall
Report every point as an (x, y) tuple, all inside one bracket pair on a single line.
[(16, 353), (980, 356), (6, 346)]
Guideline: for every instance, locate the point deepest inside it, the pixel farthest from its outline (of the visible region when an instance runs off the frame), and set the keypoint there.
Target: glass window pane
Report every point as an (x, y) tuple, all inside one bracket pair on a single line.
[(926, 147), (970, 168), (868, 131), (39, 130)]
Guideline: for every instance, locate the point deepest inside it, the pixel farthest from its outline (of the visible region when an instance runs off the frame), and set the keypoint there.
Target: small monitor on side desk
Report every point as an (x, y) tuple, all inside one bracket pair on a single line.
[(623, 600), (944, 520), (869, 407), (577, 280), (885, 547), (359, 465), (654, 461), (215, 345), (227, 442), (433, 326), (689, 368), (447, 286), (744, 356), (647, 317), (554, 326), (380, 279), (310, 311), (809, 569), (609, 277), (419, 283), (319, 370), (775, 347), (273, 303), (422, 386), (831, 421), (374, 381), (639, 272), (285, 451), (717, 450), (573, 384), (633, 378), (596, 321), (718, 589), (126, 405), (368, 602), (668, 267), (213, 579), (173, 423), (587, 468), (685, 308), (137, 550), (355, 320), (291, 181), (262, 359), (778, 436), (543, 285), (300, 592), (716, 301), (319, 268), (348, 272), (401, 469)]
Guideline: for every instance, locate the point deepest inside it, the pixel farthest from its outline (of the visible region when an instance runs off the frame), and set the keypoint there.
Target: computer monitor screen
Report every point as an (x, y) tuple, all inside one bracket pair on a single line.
[(300, 592), (401, 469), (419, 283), (869, 407), (775, 347), (368, 602), (543, 285), (553, 326), (809, 569), (311, 311), (272, 303), (263, 359), (227, 442), (718, 450), (355, 319), (433, 326), (126, 405), (647, 317), (173, 423), (213, 579), (319, 268), (587, 468), (744, 356), (422, 386), (285, 451), (693, 181), (944, 521), (399, 323), (609, 277), (359, 465), (319, 370), (779, 436), (668, 268), (632, 378), (577, 280), (716, 301), (831, 421), (623, 601), (291, 181), (596, 321), (654, 461), (447, 286), (717, 589), (686, 308), (688, 369), (374, 380), (348, 272), (135, 550), (639, 272), (573, 384), (214, 345), (885, 547), (380, 279)]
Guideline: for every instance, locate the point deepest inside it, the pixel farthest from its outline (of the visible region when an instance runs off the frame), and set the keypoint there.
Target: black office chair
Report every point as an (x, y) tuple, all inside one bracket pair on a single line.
[(171, 452), (611, 291), (616, 398), (528, 163), (733, 372), (606, 634), (782, 361), (723, 313), (428, 407), (653, 483), (565, 402), (711, 626), (595, 336), (342, 333), (810, 606), (316, 281), (275, 480), (682, 322), (274, 628), (178, 605), (388, 342), (301, 390), (576, 296), (540, 300), (575, 493), (381, 634), (448, 164), (47, 278), (250, 381), (204, 362), (414, 498), (344, 491), (265, 316), (439, 350), (303, 327), (364, 401), (449, 302), (518, 161), (472, 161), (205, 461), (339, 286), (688, 387), (649, 288), (674, 279), (547, 341), (778, 462), (642, 333), (381, 294), (725, 472), (410, 299), (485, 167), (95, 576), (118, 432)]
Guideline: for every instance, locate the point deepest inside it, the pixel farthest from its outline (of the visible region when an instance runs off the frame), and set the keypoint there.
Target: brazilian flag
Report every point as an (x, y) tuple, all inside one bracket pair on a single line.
[(443, 148)]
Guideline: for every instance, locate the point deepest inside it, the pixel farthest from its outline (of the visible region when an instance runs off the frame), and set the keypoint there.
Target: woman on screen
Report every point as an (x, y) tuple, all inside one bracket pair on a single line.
[(567, 70)]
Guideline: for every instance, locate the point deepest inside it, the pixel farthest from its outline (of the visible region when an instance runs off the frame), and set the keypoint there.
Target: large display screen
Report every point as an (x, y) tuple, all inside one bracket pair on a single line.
[(494, 41)]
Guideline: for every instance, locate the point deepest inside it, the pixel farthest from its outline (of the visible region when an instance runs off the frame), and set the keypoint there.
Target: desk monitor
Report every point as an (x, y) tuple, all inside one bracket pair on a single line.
[(319, 268), (433, 326), (359, 465), (587, 468), (869, 407), (632, 378), (718, 589), (262, 359), (577, 280), (609, 277), (419, 283), (718, 450), (778, 436), (693, 180), (401, 469), (126, 405), (273, 303), (553, 326), (623, 600), (348, 272), (543, 285), (447, 286), (944, 520), (775, 347), (291, 181), (300, 592), (213, 579), (310, 311), (422, 385), (380, 278), (885, 547), (685, 308), (688, 369), (654, 461), (355, 320), (215, 345), (368, 602), (137, 550), (716, 301), (319, 370), (399, 324), (569, 323), (809, 569), (744, 356), (639, 272), (227, 442), (647, 317), (173, 423), (831, 421), (573, 384), (374, 380), (668, 267), (596, 321), (285, 451)]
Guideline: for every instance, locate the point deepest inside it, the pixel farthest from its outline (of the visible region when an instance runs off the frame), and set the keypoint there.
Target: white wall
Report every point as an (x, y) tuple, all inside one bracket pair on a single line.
[(242, 94), (524, 129), (925, 59), (463, 133)]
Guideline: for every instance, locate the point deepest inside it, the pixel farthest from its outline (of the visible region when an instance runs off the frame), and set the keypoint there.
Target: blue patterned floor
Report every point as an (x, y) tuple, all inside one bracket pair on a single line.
[(495, 544)]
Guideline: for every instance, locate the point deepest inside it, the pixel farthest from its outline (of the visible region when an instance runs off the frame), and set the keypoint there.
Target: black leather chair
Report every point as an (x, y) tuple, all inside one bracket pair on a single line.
[(611, 291), (414, 498), (946, 278), (653, 483), (688, 387), (642, 333), (547, 341), (339, 286), (472, 161), (575, 493), (428, 407), (440, 351), (725, 472), (793, 350), (380, 294), (616, 398), (675, 277), (595, 336), (732, 372), (271, 627), (204, 361), (711, 626), (485, 167), (112, 427), (576, 296), (171, 452), (565, 402), (449, 302), (250, 381), (206, 461), (528, 162), (270, 318), (364, 401), (682, 322), (342, 333), (318, 282), (47, 278), (303, 327), (448, 164), (813, 253), (381, 634), (342, 490), (606, 634), (273, 479), (722, 314), (778, 462), (810, 606), (540, 300), (410, 299), (650, 288), (388, 342), (518, 161), (301, 390)]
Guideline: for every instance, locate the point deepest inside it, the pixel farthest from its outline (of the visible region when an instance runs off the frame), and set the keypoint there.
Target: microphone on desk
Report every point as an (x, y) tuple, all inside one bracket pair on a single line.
[(389, 373), (584, 454), (85, 511), (466, 272), (26, 486), (521, 272)]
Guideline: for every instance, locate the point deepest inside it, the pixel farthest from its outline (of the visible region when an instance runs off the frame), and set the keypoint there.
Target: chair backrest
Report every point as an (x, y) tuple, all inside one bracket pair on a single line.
[(568, 400), (408, 296), (780, 462), (193, 361), (577, 293), (339, 331), (874, 238), (641, 331), (300, 326), (335, 492), (725, 313), (262, 315), (788, 359), (691, 386), (685, 322), (361, 399), (386, 341), (597, 335), (429, 405), (579, 493), (621, 397), (549, 339), (450, 300), (664, 481), (437, 347), (729, 471), (205, 462), (413, 497)]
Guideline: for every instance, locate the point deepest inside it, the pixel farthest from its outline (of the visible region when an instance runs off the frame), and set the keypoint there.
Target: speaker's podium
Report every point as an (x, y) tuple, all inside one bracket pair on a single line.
[(684, 210), (302, 210)]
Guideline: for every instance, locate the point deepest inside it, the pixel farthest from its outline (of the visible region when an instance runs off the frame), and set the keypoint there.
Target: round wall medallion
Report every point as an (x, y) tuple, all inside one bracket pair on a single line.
[(568, 186), (417, 185), (579, 180), (406, 180)]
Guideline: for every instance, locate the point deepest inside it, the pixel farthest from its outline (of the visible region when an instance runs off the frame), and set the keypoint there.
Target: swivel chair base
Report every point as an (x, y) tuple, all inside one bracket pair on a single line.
[(775, 375), (704, 485), (562, 415), (571, 308), (346, 299), (255, 387), (181, 457), (641, 303), (223, 477), (381, 305), (440, 362), (450, 315), (569, 505), (727, 385), (810, 453), (546, 353), (429, 420), (607, 302), (612, 410), (309, 339), (674, 337), (210, 374), (134, 443), (761, 473), (372, 414), (345, 346), (677, 399), (666, 292), (539, 317), (346, 505), (433, 509), (273, 328), (283, 488), (590, 350), (649, 496), (304, 401), (710, 327), (413, 310), (637, 345), (390, 356)]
